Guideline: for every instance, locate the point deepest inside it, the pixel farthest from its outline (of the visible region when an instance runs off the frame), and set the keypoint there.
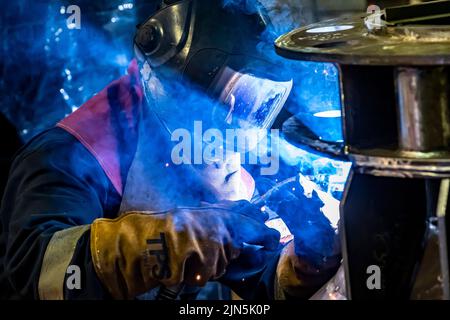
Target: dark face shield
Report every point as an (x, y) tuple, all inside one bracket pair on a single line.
[(242, 103), (243, 95), (207, 60)]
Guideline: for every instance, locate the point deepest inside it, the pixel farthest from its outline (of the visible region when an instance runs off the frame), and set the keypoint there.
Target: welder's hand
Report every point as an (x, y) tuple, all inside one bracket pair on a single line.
[(297, 277), (313, 257), (140, 250), (315, 237), (316, 240)]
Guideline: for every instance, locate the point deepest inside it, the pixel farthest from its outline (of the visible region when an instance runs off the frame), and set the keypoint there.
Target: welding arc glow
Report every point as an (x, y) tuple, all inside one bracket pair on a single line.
[(329, 29), (331, 205), (328, 114), (331, 174)]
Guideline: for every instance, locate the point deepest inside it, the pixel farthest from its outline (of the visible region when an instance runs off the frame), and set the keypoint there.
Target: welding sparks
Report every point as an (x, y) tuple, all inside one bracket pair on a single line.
[(125, 6), (64, 94)]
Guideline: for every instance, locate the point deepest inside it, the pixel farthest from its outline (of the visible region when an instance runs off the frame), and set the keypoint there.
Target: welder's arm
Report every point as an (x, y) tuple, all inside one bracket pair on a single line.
[(55, 217), (55, 191), (140, 250)]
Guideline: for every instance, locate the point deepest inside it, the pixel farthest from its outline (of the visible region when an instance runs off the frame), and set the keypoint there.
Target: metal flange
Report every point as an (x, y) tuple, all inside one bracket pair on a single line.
[(347, 40)]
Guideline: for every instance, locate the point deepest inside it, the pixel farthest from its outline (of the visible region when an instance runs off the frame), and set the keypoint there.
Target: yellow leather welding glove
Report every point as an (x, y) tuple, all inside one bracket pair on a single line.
[(297, 277), (139, 250)]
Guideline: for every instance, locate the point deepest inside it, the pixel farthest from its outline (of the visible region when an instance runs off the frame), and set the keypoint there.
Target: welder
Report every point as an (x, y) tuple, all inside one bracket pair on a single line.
[(99, 193)]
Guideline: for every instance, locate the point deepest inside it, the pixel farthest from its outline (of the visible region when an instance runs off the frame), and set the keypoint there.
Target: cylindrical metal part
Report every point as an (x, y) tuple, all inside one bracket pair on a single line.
[(423, 102), (443, 241)]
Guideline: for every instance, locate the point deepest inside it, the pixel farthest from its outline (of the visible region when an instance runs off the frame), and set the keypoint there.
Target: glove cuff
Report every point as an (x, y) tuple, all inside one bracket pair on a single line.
[(121, 253)]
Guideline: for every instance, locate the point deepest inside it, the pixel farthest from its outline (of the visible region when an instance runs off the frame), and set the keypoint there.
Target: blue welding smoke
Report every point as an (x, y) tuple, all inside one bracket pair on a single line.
[(283, 17), (305, 193), (48, 68), (316, 98)]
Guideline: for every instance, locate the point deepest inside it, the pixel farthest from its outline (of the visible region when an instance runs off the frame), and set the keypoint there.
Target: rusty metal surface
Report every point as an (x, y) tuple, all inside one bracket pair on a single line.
[(352, 43), (422, 104)]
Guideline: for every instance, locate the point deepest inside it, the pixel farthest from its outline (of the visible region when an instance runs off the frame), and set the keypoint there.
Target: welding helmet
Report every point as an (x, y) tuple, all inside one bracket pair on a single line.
[(213, 49)]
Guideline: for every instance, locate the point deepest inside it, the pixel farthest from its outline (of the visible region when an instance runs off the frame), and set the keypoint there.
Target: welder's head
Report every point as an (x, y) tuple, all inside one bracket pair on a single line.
[(203, 57)]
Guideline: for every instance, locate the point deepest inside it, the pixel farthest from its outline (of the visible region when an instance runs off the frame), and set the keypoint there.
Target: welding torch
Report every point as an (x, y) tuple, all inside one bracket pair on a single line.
[(169, 293)]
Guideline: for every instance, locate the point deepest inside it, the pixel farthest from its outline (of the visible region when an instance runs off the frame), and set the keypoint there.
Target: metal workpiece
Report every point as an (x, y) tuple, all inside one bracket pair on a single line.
[(441, 215), (395, 121), (394, 85), (394, 71), (348, 40), (436, 12), (423, 101), (383, 224), (298, 134), (403, 164)]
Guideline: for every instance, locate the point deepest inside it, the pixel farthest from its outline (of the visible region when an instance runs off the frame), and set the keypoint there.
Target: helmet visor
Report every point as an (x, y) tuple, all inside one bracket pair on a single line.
[(253, 101)]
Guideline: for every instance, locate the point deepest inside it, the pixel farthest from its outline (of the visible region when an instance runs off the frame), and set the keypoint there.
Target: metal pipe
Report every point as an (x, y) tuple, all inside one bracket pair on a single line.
[(423, 101)]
